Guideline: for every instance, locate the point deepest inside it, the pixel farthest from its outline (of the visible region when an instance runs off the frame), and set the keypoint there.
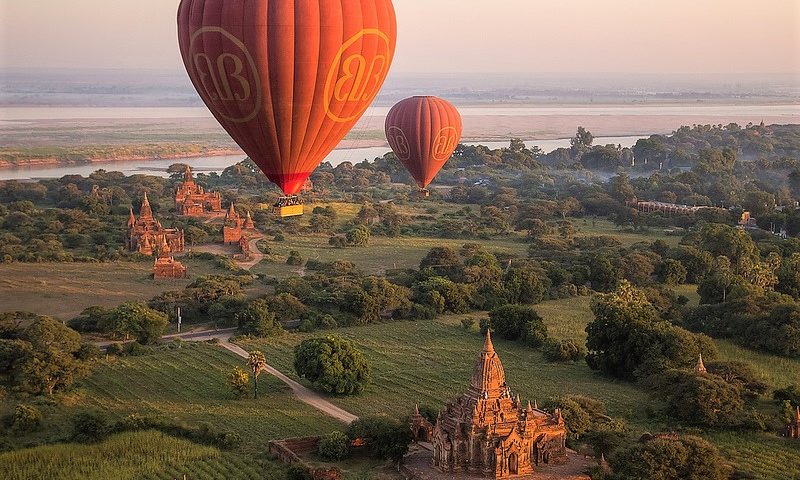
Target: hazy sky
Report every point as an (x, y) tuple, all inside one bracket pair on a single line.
[(547, 36)]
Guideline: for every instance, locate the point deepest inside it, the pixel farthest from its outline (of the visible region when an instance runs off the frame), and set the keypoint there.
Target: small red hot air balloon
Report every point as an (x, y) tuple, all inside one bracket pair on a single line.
[(287, 79), (423, 133)]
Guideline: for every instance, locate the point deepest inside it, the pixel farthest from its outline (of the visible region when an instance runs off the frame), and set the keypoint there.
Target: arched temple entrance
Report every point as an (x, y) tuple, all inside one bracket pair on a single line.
[(513, 464)]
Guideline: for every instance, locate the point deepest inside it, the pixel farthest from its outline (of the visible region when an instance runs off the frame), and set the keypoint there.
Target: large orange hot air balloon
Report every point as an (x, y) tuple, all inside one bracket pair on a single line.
[(287, 79), (423, 132)]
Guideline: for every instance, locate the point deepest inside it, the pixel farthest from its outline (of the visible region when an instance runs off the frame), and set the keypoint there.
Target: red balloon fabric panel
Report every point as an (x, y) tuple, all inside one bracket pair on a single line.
[(423, 133), (287, 79)]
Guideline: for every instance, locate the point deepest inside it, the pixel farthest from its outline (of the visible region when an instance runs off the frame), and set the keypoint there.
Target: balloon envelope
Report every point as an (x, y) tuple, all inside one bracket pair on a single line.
[(423, 133), (287, 79)]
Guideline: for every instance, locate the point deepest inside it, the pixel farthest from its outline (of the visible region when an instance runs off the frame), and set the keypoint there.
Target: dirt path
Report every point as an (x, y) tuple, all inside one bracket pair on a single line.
[(302, 393), (255, 254)]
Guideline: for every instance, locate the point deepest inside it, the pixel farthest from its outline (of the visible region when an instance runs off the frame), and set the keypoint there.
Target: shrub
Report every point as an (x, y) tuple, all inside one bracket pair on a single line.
[(239, 381), (294, 259), (136, 349), (333, 365), (467, 323), (89, 427), (670, 457), (517, 322), (563, 351), (385, 438), (298, 472), (88, 351), (26, 419), (334, 446), (115, 349), (338, 241), (258, 320)]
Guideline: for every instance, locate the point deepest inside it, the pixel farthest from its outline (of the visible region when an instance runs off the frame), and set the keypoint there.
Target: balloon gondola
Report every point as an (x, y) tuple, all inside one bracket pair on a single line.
[(287, 79), (423, 133)]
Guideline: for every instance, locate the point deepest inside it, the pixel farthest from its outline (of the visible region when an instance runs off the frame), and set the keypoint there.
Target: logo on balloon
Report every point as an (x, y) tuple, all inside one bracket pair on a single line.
[(226, 76), (445, 143), (355, 78), (399, 143)]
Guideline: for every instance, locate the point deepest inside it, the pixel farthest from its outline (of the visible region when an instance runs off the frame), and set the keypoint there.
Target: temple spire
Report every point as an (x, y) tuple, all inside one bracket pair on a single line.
[(131, 218), (701, 367), (488, 346), (146, 212), (797, 415)]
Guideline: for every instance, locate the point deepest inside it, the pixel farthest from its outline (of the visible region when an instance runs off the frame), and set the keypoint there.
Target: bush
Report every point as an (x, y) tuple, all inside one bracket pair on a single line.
[(115, 349), (338, 241), (563, 351), (333, 365), (239, 381), (670, 457), (467, 323), (298, 472), (136, 349), (26, 419), (89, 427), (385, 438), (258, 320), (88, 351), (517, 322), (294, 259), (334, 446)]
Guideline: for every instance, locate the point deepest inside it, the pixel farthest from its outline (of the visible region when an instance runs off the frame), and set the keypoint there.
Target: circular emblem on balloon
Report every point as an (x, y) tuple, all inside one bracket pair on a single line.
[(227, 78), (399, 143), (357, 74)]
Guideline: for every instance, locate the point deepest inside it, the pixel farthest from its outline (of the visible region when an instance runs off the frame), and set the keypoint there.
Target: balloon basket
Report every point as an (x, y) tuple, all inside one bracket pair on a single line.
[(288, 207), (424, 193)]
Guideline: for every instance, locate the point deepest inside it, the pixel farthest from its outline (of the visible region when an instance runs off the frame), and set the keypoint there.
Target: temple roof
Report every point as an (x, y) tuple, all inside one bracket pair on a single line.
[(488, 376), (146, 212)]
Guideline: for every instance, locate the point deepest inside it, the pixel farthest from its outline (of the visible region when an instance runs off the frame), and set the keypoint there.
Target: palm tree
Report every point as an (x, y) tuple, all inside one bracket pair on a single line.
[(257, 362)]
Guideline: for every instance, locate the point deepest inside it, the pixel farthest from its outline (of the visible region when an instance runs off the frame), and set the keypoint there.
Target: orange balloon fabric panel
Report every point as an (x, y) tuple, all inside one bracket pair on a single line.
[(287, 79), (423, 133)]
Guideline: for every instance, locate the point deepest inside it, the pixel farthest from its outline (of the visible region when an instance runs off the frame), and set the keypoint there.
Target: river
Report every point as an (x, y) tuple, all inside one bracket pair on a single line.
[(218, 164)]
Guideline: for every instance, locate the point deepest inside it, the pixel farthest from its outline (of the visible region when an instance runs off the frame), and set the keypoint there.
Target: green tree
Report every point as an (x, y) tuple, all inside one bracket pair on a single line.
[(385, 438), (334, 446), (627, 337), (49, 363), (257, 363), (239, 382), (670, 457), (258, 320), (138, 320), (333, 365), (359, 236), (518, 322), (443, 260), (294, 259)]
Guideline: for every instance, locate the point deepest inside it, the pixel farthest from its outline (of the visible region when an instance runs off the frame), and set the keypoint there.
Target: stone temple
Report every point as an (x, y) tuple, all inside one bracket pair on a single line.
[(192, 200), (488, 431), (146, 235)]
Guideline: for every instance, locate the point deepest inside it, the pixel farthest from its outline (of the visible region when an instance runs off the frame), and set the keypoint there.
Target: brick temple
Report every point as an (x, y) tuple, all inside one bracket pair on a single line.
[(236, 226), (488, 431), (146, 235), (166, 266), (192, 200)]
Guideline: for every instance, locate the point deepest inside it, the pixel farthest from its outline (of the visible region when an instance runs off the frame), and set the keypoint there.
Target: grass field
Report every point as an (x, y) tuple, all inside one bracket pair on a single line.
[(189, 385), (133, 456), (63, 290), (431, 361), (382, 253)]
